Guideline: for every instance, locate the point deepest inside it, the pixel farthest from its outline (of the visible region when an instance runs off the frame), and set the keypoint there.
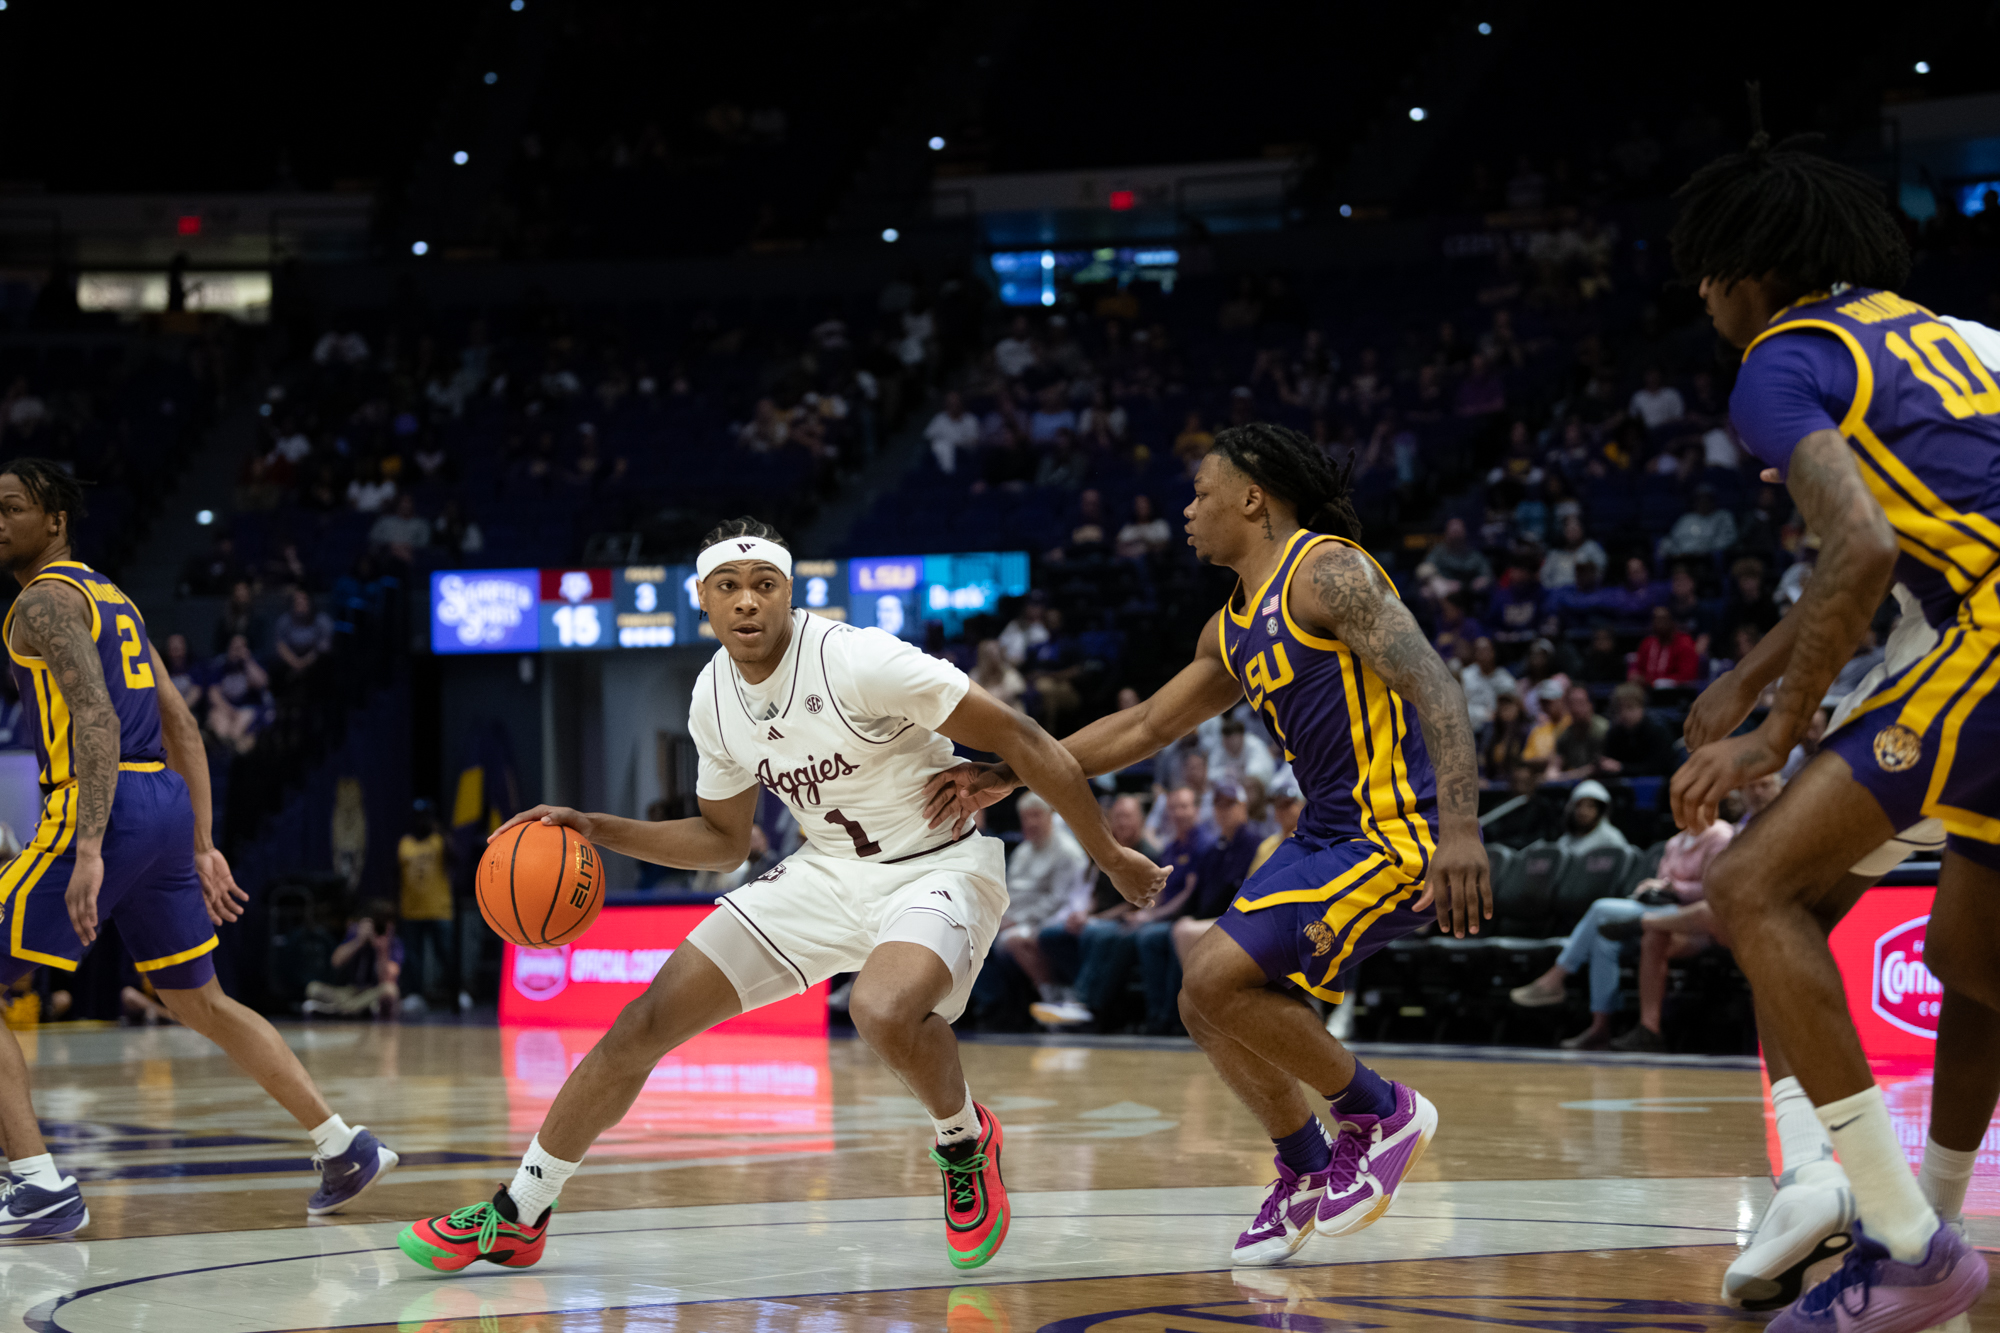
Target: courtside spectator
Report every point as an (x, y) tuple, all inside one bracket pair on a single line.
[(1581, 744), (1559, 565), (303, 636), (1484, 681), (1667, 656), (1707, 529), (1089, 948), (951, 431), (1657, 403), (1044, 874), (1635, 745)]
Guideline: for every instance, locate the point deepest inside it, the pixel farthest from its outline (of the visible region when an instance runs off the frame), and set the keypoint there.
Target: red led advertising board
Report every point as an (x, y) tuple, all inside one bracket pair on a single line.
[(758, 1084), (1893, 999), (585, 984)]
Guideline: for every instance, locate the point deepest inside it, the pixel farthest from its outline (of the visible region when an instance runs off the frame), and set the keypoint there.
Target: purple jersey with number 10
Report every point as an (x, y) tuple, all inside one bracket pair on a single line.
[(1922, 415)]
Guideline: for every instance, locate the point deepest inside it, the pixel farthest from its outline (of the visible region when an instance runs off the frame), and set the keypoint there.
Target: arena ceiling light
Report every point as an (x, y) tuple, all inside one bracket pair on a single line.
[(420, 247), (461, 157), (1417, 113), (937, 143), (518, 5), (891, 235), (1923, 67), (204, 517), (491, 78), (1486, 30)]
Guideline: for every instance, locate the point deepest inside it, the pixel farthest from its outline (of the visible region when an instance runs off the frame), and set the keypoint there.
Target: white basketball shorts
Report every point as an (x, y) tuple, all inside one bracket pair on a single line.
[(811, 916)]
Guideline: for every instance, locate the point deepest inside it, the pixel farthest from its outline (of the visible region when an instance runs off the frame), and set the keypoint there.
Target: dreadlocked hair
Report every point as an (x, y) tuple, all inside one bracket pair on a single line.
[(50, 485), (1297, 471), (745, 526), (1806, 219)]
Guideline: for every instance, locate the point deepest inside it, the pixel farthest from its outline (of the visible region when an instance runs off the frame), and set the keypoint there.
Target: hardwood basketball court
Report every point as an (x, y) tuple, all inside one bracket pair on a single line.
[(776, 1182)]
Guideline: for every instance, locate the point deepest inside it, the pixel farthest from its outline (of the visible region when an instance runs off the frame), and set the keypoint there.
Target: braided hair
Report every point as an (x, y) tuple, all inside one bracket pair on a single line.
[(745, 526), (1806, 219), (50, 485), (1294, 469)]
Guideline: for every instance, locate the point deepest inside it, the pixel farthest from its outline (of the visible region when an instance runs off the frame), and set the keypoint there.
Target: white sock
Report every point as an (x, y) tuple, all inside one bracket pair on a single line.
[(42, 1171), (538, 1182), (962, 1127), (1945, 1174), (1893, 1210), (1806, 1153), (333, 1137), (1051, 993)]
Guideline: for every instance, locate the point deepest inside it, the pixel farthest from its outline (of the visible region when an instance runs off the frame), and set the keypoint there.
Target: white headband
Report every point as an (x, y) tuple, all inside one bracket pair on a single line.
[(742, 548)]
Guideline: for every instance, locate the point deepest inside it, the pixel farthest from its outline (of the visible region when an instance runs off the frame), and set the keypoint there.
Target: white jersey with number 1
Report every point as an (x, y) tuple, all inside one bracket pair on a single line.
[(844, 731)]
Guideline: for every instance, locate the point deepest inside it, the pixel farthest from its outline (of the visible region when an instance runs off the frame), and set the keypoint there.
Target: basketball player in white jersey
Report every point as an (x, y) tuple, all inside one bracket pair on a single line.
[(845, 725)]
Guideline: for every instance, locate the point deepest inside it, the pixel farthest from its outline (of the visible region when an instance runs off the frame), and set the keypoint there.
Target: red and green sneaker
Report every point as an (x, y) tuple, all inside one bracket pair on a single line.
[(975, 1198), (486, 1231)]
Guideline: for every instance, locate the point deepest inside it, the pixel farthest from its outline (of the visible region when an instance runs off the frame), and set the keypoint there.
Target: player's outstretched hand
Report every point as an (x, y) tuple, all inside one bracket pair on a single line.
[(1137, 877), (86, 877), (955, 795), (1717, 769), (548, 814), (1460, 885), (1719, 710), (224, 898)]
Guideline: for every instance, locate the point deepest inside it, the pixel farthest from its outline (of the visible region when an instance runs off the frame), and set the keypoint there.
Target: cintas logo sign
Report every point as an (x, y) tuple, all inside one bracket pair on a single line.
[(1905, 992)]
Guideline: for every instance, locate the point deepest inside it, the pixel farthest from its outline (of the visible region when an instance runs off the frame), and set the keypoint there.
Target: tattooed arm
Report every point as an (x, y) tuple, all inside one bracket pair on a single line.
[(1342, 595), (187, 755), (1857, 559), (54, 625)]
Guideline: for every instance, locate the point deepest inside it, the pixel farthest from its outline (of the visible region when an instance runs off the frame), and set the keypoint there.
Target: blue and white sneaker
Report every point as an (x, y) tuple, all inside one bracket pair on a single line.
[(29, 1212), (345, 1178)]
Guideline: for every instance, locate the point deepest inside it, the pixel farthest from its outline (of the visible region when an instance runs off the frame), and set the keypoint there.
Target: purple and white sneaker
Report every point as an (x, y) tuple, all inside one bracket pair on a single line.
[(29, 1212), (1871, 1292), (1382, 1151), (1285, 1222), (347, 1176)]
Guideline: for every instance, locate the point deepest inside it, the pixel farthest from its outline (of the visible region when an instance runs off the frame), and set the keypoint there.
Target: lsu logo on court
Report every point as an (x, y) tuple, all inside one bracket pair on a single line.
[(1905, 992)]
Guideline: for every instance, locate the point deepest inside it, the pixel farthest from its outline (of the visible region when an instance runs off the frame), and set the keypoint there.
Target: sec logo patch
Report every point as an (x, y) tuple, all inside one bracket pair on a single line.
[(1897, 748)]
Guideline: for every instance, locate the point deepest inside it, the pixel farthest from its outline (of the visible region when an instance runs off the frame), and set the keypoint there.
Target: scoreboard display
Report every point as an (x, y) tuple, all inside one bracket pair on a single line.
[(655, 606)]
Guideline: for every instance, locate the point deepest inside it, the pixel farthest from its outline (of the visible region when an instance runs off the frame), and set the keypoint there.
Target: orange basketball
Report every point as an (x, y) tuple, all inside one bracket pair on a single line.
[(540, 885)]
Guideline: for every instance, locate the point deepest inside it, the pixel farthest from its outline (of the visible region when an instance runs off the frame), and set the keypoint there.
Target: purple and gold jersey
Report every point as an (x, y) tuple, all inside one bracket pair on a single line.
[(119, 632), (1922, 415), (1353, 744)]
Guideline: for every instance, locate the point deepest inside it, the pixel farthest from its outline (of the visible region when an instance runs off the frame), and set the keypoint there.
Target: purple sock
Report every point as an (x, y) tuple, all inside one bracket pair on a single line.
[(1305, 1149), (1367, 1093)]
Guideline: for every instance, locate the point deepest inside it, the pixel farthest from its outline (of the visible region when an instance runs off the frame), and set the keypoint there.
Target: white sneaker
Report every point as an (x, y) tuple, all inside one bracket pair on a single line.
[(1804, 1224), (1061, 1014)]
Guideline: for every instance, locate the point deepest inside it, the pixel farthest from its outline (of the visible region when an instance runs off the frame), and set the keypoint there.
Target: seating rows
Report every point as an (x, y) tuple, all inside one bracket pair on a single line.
[(1439, 988)]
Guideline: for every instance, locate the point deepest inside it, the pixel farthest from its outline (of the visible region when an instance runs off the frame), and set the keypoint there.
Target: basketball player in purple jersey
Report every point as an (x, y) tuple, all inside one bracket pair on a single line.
[(124, 837), (1886, 425), (1375, 729)]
